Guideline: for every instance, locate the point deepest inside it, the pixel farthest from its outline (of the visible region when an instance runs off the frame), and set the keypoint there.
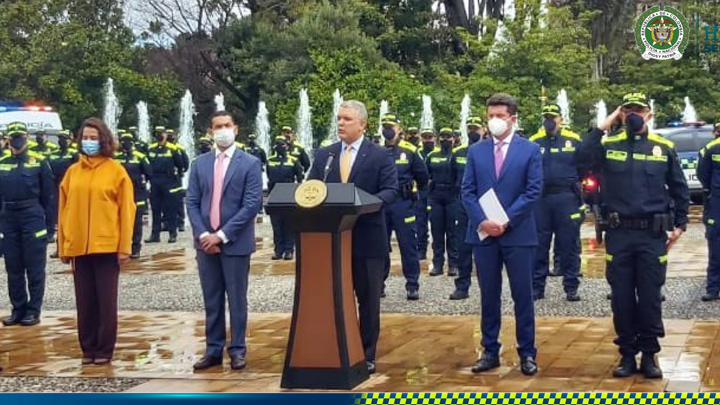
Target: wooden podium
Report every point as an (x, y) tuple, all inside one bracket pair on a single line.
[(324, 347)]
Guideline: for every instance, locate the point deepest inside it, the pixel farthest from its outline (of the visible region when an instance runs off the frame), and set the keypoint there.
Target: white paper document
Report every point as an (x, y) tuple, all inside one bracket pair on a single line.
[(493, 210)]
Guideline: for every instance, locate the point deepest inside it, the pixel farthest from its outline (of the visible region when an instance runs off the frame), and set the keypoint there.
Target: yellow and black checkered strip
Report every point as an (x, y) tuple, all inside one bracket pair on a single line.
[(578, 398)]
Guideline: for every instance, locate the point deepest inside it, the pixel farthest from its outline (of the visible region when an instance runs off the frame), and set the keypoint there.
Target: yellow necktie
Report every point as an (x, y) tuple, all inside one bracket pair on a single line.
[(345, 164)]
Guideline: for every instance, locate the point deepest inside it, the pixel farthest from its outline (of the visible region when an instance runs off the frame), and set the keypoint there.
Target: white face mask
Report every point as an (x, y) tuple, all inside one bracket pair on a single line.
[(497, 126), (224, 137)]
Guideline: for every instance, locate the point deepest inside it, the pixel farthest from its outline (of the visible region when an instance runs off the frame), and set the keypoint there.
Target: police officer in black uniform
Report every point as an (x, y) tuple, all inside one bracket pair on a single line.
[(60, 161), (205, 144), (442, 197), (295, 149), (282, 168), (708, 172), (140, 145), (179, 191), (427, 145), (400, 216), (167, 164), (459, 159), (413, 136), (26, 189), (140, 172), (254, 149), (560, 210), (646, 197), (41, 144)]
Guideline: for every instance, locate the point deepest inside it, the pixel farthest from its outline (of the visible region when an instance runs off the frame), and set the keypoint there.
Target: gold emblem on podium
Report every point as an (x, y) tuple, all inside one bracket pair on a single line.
[(311, 194)]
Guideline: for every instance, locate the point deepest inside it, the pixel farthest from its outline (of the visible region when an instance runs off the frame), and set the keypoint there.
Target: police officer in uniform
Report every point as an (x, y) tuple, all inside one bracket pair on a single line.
[(167, 164), (140, 172), (179, 191), (560, 210), (282, 168), (295, 149), (4, 149), (60, 161), (41, 144), (459, 159), (254, 149), (26, 189), (205, 144), (427, 137), (646, 197), (400, 216), (708, 172), (140, 145), (413, 136), (442, 196)]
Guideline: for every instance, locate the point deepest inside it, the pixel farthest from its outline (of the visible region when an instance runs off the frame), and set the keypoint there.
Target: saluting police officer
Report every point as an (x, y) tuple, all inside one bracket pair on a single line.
[(60, 161), (295, 149), (442, 197), (708, 172), (427, 137), (560, 210), (646, 196), (459, 159), (282, 168), (400, 216), (254, 149), (139, 170), (26, 189), (167, 164)]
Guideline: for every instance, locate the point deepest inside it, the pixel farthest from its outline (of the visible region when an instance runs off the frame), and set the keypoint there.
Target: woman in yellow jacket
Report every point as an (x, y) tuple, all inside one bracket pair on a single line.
[(95, 229)]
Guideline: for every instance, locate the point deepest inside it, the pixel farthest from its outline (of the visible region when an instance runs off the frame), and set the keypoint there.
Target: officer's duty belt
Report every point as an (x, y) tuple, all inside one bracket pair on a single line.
[(638, 224), (19, 205)]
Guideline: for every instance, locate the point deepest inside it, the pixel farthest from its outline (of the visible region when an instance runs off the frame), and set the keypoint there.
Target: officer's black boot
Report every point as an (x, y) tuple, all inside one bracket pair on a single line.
[(626, 368), (154, 238), (649, 367), (453, 272), (710, 297), (436, 270), (135, 252), (573, 296), (172, 238)]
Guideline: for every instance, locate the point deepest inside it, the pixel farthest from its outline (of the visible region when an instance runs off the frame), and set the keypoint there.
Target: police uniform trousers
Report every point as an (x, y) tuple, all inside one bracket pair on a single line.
[(164, 203), (558, 214), (442, 225), (712, 234), (636, 268), (401, 217), (25, 244), (283, 237), (138, 226), (465, 250), (421, 223)]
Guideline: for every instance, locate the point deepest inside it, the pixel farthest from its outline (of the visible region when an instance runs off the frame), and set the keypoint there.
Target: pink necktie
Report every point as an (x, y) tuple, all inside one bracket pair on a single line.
[(499, 158), (217, 192)]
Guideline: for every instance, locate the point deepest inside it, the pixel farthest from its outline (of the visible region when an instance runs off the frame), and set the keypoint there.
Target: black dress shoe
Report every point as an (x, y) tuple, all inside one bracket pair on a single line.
[(453, 272), (30, 320), (181, 228), (626, 368), (153, 239), (206, 362), (12, 320), (237, 362), (528, 366), (710, 297), (288, 256), (276, 256), (135, 256), (172, 239), (649, 367), (413, 295), (459, 295), (371, 367), (486, 362), (436, 271), (573, 296)]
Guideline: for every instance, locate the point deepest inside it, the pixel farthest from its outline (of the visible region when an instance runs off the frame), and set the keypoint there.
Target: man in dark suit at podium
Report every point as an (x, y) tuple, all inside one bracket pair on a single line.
[(370, 167)]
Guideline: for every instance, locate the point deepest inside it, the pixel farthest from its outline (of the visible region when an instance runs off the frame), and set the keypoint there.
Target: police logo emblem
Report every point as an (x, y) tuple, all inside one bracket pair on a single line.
[(542, 150), (311, 194), (657, 151), (662, 33), (568, 144), (32, 160), (403, 156)]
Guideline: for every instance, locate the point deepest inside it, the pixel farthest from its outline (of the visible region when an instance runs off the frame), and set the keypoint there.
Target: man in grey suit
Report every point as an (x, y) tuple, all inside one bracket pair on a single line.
[(224, 195)]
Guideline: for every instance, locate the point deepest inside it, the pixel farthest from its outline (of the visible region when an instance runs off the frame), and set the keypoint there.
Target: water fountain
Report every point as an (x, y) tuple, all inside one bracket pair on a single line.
[(333, 131), (689, 114), (220, 102), (427, 120), (600, 112), (464, 114), (143, 122), (262, 130), (651, 123), (502, 35), (564, 103), (304, 123), (543, 13), (186, 135), (111, 115), (384, 109)]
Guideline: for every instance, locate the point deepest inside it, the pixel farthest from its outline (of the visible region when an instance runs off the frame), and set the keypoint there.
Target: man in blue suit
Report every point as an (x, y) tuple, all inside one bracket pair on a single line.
[(512, 167), (371, 168), (223, 197)]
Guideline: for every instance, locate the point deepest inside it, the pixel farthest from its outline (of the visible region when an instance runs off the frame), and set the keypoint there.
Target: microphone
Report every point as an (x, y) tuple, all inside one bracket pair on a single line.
[(327, 166)]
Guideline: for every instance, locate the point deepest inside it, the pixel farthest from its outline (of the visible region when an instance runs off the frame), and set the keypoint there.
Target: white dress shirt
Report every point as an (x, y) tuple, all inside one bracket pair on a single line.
[(229, 152), (505, 146), (354, 147)]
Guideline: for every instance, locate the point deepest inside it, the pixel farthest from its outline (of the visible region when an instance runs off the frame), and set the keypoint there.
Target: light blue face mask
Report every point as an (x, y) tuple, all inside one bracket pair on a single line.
[(91, 147)]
